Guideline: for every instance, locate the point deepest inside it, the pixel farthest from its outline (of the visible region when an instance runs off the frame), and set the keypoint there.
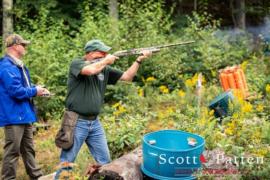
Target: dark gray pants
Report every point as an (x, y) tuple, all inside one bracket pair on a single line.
[(19, 140)]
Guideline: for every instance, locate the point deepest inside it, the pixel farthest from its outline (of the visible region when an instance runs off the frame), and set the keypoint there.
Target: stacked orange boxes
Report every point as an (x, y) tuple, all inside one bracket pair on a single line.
[(234, 78)]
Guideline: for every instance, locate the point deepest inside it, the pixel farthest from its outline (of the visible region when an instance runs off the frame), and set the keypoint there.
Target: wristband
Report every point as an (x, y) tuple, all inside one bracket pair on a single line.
[(139, 62)]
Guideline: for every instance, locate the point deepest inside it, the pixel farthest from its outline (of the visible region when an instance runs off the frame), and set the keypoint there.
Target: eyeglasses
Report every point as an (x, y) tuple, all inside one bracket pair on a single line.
[(102, 52), (23, 45)]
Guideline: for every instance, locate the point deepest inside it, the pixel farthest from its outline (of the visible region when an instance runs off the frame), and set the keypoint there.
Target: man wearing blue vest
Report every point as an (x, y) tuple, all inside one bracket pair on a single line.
[(17, 110)]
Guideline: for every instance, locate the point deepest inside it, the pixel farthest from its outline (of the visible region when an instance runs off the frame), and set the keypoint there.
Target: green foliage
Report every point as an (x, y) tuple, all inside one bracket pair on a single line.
[(48, 58), (215, 49), (140, 25), (164, 96), (124, 133), (53, 48), (66, 10)]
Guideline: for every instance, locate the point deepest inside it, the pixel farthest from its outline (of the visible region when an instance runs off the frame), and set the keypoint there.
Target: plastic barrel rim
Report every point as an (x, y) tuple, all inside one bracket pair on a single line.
[(152, 175)]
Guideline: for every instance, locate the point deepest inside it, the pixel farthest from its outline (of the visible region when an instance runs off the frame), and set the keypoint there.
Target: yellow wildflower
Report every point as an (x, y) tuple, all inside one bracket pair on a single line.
[(170, 110), (261, 152), (150, 79), (238, 94), (246, 107), (193, 81), (189, 83), (202, 122), (204, 112), (164, 89), (211, 113), (122, 109), (235, 115), (116, 105), (257, 136), (244, 65), (140, 92), (260, 108), (230, 128), (267, 88), (119, 109), (228, 131), (181, 93), (161, 115)]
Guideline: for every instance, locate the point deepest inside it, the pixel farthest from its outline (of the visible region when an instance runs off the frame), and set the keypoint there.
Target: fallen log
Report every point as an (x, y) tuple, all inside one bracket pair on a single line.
[(126, 167)]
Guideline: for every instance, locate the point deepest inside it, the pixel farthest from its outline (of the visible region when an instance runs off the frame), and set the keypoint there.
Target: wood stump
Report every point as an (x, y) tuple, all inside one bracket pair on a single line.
[(126, 167)]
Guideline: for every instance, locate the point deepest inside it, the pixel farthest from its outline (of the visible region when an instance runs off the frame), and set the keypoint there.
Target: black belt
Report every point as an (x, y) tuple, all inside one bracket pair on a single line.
[(90, 118)]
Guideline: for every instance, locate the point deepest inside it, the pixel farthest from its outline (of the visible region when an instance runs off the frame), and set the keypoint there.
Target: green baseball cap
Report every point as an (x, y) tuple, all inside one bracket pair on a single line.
[(96, 45)]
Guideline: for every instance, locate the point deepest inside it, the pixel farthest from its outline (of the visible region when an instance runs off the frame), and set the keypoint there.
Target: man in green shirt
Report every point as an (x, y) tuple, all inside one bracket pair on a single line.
[(87, 81)]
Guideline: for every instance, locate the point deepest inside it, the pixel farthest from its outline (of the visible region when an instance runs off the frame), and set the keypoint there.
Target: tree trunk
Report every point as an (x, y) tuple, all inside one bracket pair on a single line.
[(113, 8), (7, 18), (238, 13), (113, 12), (195, 5), (241, 15), (232, 11), (126, 167)]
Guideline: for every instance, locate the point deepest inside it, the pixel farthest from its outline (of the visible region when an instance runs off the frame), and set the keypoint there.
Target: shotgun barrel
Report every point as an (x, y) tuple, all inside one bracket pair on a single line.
[(153, 49)]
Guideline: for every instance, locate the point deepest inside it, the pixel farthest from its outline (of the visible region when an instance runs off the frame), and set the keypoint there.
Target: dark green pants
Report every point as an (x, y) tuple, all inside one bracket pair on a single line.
[(19, 141)]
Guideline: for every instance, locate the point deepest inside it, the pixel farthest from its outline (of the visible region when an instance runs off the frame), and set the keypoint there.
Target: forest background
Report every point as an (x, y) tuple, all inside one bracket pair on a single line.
[(230, 32)]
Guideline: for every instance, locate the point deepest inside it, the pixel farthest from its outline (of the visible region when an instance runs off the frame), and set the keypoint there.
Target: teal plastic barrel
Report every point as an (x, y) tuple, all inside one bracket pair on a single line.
[(169, 155)]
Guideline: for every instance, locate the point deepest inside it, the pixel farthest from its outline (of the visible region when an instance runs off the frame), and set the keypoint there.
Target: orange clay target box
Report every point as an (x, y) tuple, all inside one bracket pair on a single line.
[(234, 78)]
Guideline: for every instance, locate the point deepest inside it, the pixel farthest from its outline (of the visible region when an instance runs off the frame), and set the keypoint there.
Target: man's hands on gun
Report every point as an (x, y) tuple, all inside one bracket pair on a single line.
[(145, 54), (109, 59), (41, 91)]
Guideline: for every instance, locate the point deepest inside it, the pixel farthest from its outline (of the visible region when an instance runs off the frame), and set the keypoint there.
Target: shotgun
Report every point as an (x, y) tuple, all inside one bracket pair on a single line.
[(153, 49)]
